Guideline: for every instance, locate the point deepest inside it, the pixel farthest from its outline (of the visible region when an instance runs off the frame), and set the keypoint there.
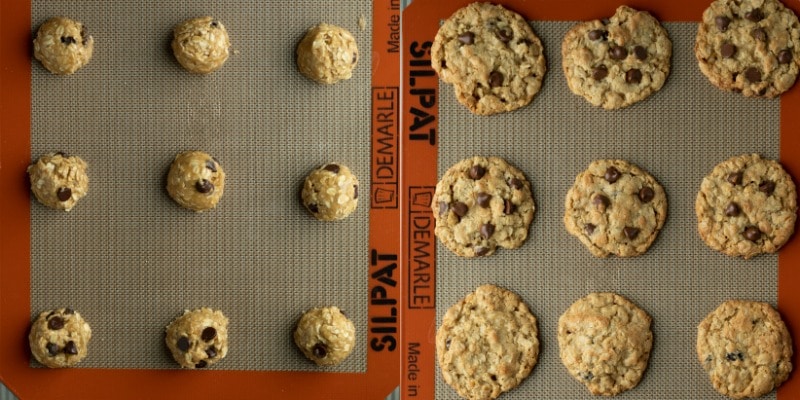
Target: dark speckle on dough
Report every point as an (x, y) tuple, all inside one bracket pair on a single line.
[(735, 356), (504, 35), (201, 364), (68, 40)]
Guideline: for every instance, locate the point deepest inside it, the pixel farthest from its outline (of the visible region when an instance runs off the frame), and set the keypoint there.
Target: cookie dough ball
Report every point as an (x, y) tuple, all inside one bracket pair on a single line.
[(59, 338), (198, 338), (201, 45), (330, 192), (63, 45), (327, 54), (325, 335), (59, 181), (196, 180)]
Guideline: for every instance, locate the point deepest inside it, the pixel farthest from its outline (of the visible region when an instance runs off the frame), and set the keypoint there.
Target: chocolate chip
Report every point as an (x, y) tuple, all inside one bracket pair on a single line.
[(64, 193), (211, 352), (785, 56), (443, 64), (722, 22), (208, 334), (618, 53), (640, 52), (70, 348), (332, 167), (55, 323), (313, 208), (355, 191), (515, 183), (601, 200), (201, 364), (443, 207), (487, 230), (508, 207), (589, 229), (728, 50), (767, 187), (605, 21), (599, 72), (732, 210), (587, 375), (759, 34), (753, 75), (52, 348), (460, 209), (68, 40), (320, 350), (504, 35), (481, 251), (211, 165), (214, 24), (630, 232), (204, 186), (735, 356), (466, 38), (646, 194), (483, 199), (752, 233), (477, 172), (597, 34), (183, 343), (735, 178), (754, 15), (612, 174), (633, 76), (495, 79)]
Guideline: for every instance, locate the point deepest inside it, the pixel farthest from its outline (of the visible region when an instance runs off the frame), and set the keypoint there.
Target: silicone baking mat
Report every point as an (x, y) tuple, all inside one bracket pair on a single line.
[(130, 260), (678, 135)]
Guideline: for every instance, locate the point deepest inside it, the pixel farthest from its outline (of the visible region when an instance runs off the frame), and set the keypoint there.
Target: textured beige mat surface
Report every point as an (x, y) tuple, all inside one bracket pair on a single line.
[(127, 257), (678, 135)]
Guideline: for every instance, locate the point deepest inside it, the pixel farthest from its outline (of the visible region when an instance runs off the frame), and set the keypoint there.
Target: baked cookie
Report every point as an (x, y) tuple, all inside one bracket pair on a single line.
[(604, 341), (327, 54), (746, 206), (617, 62), (745, 348), (198, 338), (58, 181), (488, 343), (616, 208), (325, 335), (201, 45), (481, 203), (749, 46), (59, 338), (196, 180), (63, 45), (330, 192), (491, 56)]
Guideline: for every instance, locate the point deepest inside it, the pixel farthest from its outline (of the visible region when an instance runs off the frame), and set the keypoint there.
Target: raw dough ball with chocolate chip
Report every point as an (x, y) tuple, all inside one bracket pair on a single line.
[(63, 45), (198, 338), (325, 335), (59, 338), (196, 180), (330, 192), (201, 45), (327, 54), (59, 181)]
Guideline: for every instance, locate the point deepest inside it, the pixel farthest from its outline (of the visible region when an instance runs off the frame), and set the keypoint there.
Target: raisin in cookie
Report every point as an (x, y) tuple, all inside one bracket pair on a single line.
[(196, 180), (745, 348), (482, 203), (617, 62), (327, 54), (605, 342), (201, 45), (615, 207), (59, 338), (198, 338), (746, 206), (487, 344), (58, 181), (749, 46), (325, 335), (330, 192), (491, 56), (63, 45)]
